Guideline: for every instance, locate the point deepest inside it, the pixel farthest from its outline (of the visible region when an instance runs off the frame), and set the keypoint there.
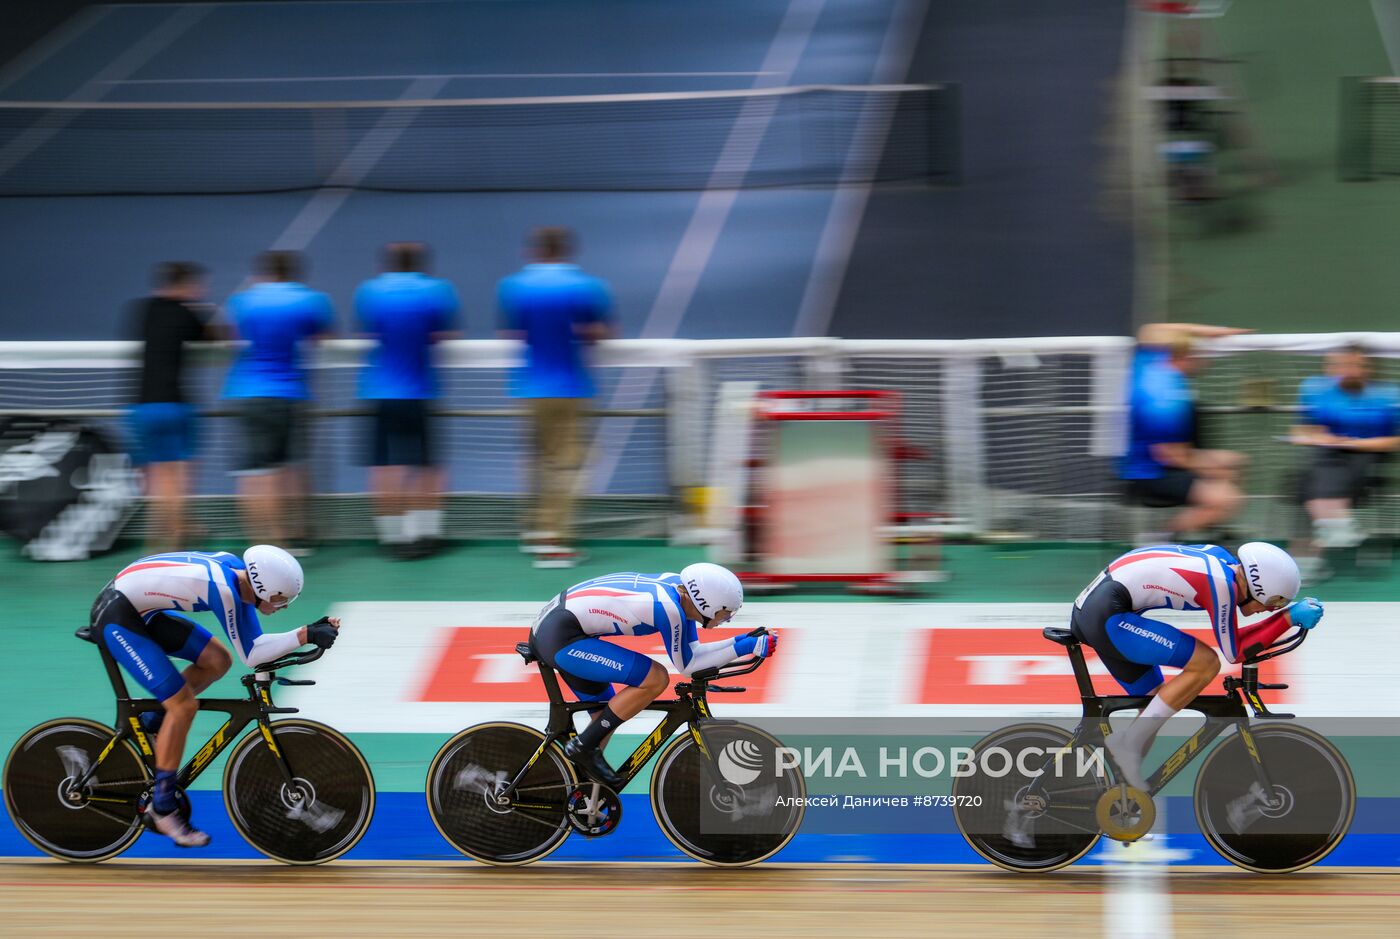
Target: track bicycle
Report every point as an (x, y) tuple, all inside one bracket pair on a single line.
[(298, 791), (1270, 798), (505, 793)]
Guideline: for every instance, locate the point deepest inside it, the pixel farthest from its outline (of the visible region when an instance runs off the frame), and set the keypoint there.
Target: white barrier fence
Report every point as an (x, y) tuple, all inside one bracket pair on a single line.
[(1014, 437)]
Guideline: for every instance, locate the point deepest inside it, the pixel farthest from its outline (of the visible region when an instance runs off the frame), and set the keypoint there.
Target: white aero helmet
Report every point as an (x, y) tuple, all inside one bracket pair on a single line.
[(273, 573), (712, 588), (1270, 571)]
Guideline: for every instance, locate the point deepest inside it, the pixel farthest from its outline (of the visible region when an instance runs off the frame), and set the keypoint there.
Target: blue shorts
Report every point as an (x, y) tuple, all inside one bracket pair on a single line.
[(1131, 646), (162, 433), (142, 643), (589, 665)]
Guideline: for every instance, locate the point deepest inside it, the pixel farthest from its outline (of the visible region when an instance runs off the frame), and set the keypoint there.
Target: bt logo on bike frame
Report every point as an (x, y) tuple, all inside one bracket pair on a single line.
[(479, 664)]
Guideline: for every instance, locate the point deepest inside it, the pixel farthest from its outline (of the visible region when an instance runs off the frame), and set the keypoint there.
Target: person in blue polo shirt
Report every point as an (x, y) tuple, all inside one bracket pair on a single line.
[(269, 386), (406, 311), (557, 310), (1165, 466), (1351, 424)]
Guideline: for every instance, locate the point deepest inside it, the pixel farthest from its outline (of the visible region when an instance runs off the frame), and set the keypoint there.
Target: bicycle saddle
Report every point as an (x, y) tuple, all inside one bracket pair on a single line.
[(1062, 636), (524, 649), (86, 634)]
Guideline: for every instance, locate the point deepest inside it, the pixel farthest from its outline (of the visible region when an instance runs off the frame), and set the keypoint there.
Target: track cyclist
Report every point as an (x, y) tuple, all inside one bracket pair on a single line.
[(1107, 616), (572, 631), (139, 617)]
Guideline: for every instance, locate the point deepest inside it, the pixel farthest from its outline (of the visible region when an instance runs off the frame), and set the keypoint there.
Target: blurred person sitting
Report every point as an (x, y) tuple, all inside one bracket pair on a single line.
[(406, 311), (1165, 466), (275, 315), (163, 423), (556, 309), (1352, 424)]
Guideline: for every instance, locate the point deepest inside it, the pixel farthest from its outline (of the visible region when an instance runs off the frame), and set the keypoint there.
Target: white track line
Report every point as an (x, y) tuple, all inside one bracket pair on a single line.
[(318, 211), (136, 56), (706, 223), (294, 79), (52, 43), (838, 238)]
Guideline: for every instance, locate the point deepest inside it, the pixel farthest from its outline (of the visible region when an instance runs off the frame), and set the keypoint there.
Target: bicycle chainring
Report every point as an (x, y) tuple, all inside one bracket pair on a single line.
[(593, 810), (1125, 814)]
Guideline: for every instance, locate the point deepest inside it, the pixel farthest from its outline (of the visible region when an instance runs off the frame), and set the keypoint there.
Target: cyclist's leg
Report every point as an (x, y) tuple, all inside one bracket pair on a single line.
[(591, 666), (1152, 644), (598, 661), (160, 636), (146, 661), (186, 639)]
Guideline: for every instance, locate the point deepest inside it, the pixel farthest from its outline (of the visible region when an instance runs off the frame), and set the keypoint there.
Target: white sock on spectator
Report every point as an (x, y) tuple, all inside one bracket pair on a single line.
[(391, 529), (429, 524)]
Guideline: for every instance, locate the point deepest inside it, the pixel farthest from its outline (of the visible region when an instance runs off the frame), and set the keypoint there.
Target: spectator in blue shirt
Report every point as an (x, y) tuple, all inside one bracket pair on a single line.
[(268, 384), (1351, 424), (406, 311), (557, 310), (1165, 465)]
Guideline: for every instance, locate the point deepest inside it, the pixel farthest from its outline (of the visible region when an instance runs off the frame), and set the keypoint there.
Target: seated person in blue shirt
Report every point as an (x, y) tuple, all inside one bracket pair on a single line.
[(1165, 466), (1351, 423), (406, 311)]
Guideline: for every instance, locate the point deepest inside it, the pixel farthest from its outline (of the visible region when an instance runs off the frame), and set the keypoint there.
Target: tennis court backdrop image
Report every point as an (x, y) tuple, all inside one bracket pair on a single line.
[(915, 465)]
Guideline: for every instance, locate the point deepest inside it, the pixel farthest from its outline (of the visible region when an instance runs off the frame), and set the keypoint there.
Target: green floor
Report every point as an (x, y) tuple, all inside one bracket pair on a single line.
[(1322, 254)]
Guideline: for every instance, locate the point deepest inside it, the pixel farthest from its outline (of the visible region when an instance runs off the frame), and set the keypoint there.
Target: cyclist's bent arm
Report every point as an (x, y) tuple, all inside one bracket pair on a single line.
[(690, 655), (705, 655), (255, 646), (1265, 631)]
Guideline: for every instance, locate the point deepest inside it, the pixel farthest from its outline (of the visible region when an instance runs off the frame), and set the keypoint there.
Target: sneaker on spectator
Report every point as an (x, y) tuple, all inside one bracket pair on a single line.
[(557, 556), (1313, 570), (537, 542)]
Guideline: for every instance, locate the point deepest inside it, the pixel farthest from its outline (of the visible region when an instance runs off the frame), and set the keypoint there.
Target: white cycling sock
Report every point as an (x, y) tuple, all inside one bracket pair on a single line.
[(1142, 731)]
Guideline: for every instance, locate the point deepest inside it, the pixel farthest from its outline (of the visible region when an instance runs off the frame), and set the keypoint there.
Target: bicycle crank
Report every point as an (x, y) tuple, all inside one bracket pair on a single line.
[(593, 810), (1125, 814)]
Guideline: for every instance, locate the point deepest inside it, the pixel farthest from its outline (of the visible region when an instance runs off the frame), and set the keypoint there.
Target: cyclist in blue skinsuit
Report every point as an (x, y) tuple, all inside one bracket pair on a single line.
[(571, 634), (1107, 616), (139, 618)]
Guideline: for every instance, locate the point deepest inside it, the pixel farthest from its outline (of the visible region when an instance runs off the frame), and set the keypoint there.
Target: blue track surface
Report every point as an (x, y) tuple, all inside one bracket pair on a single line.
[(402, 831)]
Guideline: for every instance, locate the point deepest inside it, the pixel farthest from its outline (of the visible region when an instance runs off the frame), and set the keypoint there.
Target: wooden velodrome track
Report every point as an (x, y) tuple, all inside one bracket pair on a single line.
[(47, 898)]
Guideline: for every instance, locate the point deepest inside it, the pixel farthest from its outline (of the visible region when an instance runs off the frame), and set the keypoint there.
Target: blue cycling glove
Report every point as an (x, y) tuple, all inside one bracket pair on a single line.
[(761, 646), (1305, 613)]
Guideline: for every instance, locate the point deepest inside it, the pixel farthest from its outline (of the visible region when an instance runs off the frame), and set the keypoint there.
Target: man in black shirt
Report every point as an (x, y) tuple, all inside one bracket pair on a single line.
[(163, 422)]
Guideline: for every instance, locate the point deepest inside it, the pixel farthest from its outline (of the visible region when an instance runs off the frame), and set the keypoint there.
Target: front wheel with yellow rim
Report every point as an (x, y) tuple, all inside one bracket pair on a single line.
[(1297, 822), (315, 809), (730, 802)]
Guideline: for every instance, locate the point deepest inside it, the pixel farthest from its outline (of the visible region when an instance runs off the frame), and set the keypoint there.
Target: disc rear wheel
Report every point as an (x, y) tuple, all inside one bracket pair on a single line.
[(1039, 815), (96, 821), (473, 767)]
